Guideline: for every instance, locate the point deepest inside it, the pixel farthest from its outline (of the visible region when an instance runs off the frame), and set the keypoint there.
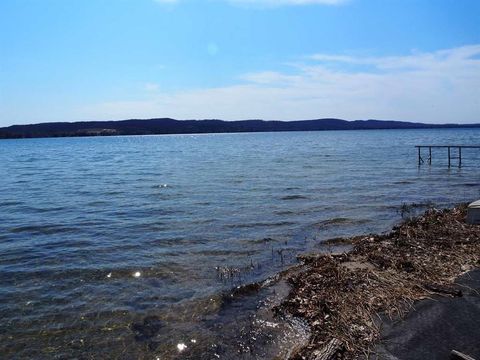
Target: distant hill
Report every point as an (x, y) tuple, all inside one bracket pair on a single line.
[(172, 126)]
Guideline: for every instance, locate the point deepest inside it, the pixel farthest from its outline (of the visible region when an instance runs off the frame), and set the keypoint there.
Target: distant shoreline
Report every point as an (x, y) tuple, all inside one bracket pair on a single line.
[(167, 126)]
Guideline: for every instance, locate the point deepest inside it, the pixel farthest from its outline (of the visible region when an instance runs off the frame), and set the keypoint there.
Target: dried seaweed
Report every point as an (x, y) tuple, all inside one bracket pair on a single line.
[(341, 295)]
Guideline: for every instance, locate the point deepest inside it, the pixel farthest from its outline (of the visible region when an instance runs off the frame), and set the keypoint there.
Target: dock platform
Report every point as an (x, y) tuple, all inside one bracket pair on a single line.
[(449, 148)]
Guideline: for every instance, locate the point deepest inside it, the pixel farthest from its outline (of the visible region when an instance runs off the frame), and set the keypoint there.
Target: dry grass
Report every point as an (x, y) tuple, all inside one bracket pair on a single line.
[(340, 296)]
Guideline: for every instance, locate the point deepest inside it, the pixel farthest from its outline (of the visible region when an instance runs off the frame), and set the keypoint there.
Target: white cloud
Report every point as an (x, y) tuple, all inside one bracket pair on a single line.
[(441, 86), (287, 2), (271, 3), (416, 60)]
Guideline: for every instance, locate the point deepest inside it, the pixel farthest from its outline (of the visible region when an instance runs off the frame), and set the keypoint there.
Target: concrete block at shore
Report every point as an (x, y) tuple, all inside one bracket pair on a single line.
[(473, 213)]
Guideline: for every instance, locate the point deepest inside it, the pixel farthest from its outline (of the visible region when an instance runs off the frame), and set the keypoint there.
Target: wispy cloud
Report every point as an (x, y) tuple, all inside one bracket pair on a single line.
[(440, 86), (287, 2), (270, 3), (416, 60)]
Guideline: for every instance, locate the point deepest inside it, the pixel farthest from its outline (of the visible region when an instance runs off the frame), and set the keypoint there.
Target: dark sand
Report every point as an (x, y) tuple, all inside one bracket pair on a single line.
[(436, 326)]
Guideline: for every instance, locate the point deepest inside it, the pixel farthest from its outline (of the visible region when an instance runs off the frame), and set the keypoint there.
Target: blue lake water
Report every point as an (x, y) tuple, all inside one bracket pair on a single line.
[(99, 233)]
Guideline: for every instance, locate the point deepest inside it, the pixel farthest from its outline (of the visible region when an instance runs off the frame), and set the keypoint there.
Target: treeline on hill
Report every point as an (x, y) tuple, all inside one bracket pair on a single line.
[(172, 126)]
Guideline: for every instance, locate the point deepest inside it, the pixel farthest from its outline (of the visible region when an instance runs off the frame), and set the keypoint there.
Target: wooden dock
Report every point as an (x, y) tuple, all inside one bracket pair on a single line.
[(449, 152)]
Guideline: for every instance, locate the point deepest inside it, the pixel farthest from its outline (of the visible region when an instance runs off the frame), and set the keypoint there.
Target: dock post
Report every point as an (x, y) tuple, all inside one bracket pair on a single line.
[(454, 152)]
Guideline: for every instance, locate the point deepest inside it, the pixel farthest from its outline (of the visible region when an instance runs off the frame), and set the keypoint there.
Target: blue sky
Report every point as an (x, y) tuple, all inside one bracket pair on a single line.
[(415, 60)]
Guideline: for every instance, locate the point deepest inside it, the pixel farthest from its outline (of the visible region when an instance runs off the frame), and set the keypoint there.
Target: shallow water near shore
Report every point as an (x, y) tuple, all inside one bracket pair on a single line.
[(130, 246)]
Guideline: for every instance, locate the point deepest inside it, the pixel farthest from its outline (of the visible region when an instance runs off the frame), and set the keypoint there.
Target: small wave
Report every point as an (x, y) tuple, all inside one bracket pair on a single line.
[(297, 212), (219, 252), (97, 203), (67, 243), (293, 197), (51, 209), (113, 192), (285, 212), (176, 241), (260, 224), (42, 229), (342, 221), (292, 188), (11, 203), (203, 203), (203, 221), (258, 241)]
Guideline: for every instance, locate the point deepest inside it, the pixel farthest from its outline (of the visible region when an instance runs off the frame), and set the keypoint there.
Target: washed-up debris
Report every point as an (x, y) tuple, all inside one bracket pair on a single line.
[(341, 296)]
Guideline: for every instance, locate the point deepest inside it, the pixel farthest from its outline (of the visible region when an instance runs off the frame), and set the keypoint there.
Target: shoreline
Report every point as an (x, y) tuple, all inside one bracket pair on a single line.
[(342, 296), (169, 126)]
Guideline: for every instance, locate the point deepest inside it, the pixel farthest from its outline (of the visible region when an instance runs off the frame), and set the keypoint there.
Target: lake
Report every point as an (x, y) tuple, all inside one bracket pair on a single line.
[(127, 247)]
